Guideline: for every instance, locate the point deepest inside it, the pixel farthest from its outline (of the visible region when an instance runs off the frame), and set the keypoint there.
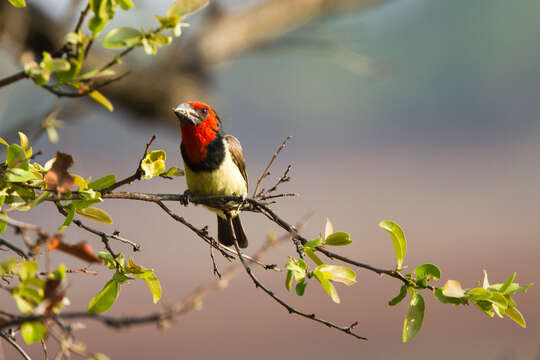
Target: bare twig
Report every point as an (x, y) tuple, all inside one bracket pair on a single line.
[(60, 93), (15, 345), (116, 235), (266, 170), (82, 17), (14, 248), (13, 78)]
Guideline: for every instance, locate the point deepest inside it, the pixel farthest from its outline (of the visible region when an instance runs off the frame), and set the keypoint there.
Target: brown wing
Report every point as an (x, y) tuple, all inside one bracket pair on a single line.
[(236, 153)]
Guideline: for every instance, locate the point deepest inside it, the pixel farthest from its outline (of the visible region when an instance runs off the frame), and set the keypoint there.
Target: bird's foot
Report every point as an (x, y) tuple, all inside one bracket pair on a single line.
[(184, 200)]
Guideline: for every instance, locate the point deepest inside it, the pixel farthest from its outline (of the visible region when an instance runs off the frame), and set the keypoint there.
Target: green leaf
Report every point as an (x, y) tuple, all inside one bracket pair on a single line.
[(27, 270), (338, 239), (122, 37), (153, 284), (105, 298), (59, 273), (3, 142), (16, 157), (103, 182), (153, 164), (514, 314), (24, 140), (425, 273), (99, 356), (507, 283), (338, 273), (149, 47), (174, 171), (159, 39), (399, 297), (95, 214), (288, 280), (323, 278), (54, 64), (19, 175), (108, 259), (99, 98), (182, 8), (33, 331), (70, 209), (300, 288), (314, 243), (23, 305), (96, 24), (311, 254), (415, 316), (18, 3), (398, 239), (125, 4), (297, 267)]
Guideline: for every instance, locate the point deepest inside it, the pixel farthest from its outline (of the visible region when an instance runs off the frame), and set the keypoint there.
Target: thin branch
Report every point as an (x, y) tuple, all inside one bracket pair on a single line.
[(15, 345), (13, 78), (265, 172), (60, 93), (116, 235), (14, 248), (289, 308), (82, 17)]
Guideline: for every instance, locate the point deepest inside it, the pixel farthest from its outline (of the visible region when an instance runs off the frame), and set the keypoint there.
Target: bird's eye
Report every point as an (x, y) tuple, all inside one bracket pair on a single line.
[(204, 111)]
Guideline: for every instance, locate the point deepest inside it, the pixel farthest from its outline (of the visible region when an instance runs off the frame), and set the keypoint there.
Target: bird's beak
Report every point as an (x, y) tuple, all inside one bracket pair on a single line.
[(187, 114)]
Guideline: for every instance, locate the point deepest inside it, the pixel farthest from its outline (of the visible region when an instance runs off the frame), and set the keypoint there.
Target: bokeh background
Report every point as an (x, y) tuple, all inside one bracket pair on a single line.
[(422, 112)]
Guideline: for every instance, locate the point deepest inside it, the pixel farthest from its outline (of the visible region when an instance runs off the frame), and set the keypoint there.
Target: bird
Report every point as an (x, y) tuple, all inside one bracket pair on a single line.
[(213, 164)]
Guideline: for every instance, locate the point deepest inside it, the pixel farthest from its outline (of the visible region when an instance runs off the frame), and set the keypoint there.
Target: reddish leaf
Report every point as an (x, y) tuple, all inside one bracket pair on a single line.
[(81, 250), (53, 294), (58, 178)]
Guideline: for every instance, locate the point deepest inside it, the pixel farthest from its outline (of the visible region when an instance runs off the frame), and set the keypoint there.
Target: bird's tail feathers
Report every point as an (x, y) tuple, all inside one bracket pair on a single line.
[(226, 235)]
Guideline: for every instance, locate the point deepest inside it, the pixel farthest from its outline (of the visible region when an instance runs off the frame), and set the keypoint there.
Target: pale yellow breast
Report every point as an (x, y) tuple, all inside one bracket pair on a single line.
[(226, 180)]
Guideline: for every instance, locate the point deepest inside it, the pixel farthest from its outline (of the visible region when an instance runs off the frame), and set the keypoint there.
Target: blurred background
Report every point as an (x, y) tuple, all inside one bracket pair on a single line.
[(421, 112)]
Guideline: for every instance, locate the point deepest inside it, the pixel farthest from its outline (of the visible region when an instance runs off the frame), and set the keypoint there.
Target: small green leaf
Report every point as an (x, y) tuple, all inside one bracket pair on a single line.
[(16, 157), (108, 259), (98, 356), (288, 280), (18, 3), (70, 209), (19, 175), (95, 214), (182, 8), (33, 331), (105, 298), (153, 284), (415, 316), (3, 142), (311, 254), (507, 283), (314, 243), (338, 273), (298, 269), (125, 4), (27, 270), (174, 171), (54, 64), (399, 297), (154, 163), (122, 37), (24, 140), (59, 273), (425, 273), (330, 289), (149, 47), (300, 288), (103, 182), (159, 39), (338, 239), (99, 98), (398, 239), (514, 314)]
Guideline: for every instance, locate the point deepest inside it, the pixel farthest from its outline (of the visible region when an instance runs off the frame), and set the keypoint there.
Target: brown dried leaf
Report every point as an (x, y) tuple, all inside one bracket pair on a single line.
[(81, 250), (58, 178)]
